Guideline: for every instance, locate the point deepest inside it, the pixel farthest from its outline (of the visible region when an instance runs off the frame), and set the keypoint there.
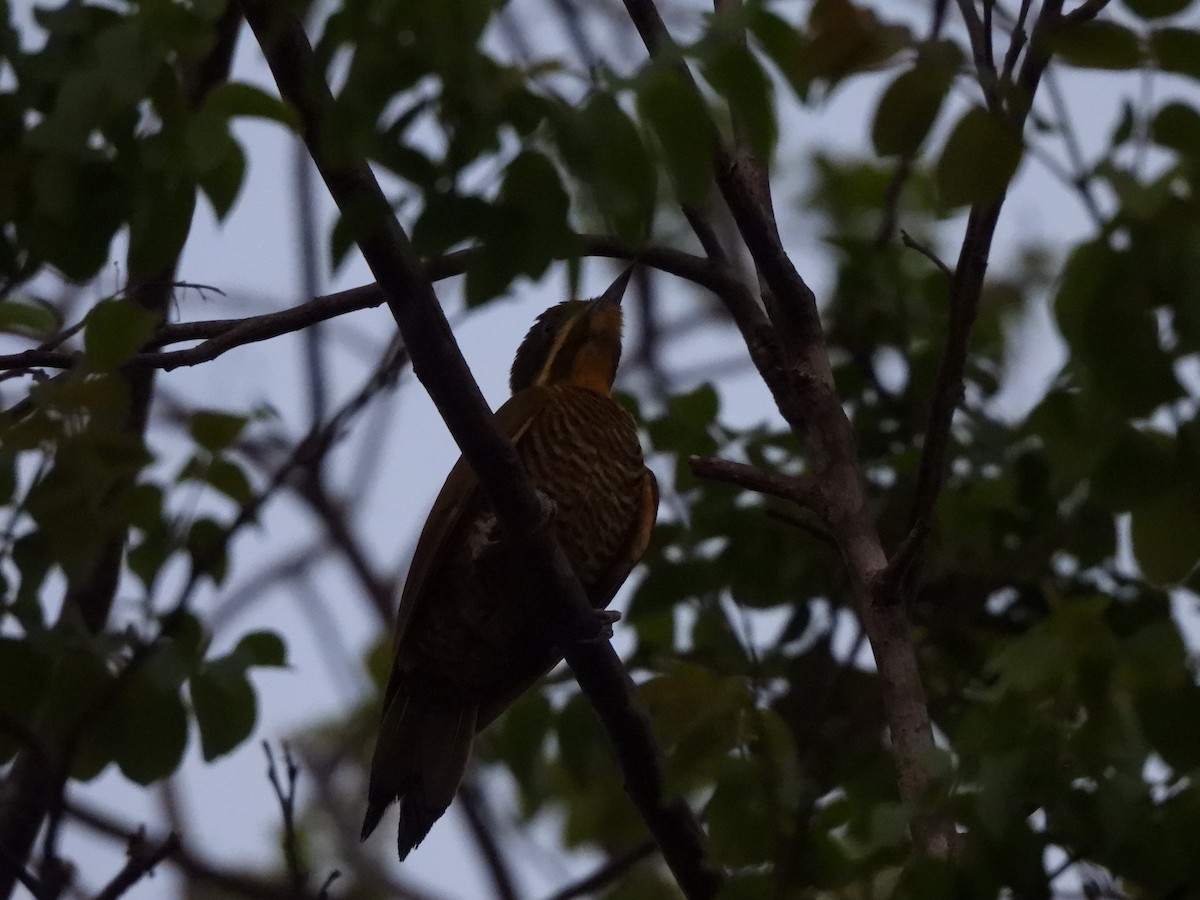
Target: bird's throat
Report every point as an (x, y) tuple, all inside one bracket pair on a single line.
[(594, 367)]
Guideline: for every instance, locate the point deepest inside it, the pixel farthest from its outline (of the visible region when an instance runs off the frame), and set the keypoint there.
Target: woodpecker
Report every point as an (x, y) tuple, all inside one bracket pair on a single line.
[(465, 647)]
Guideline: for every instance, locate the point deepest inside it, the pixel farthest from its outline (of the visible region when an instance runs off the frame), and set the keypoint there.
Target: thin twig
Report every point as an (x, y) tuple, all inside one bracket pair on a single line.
[(1085, 12), (812, 527), (143, 857), (323, 893), (889, 582), (1015, 43), (912, 243), (965, 290), (606, 874), (985, 65), (802, 490), (226, 879), (219, 336), (286, 795)]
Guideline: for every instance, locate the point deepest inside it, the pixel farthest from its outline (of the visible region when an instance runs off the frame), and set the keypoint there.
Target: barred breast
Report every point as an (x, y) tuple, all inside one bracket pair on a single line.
[(582, 451)]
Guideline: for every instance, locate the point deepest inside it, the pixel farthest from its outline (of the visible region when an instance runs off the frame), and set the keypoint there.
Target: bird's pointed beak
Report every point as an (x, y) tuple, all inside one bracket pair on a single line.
[(612, 297)]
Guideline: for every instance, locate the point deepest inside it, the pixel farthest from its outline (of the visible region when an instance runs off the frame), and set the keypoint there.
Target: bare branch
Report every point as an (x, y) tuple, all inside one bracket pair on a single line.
[(15, 868), (965, 290), (1085, 12), (323, 893), (196, 868), (794, 363), (286, 795), (606, 874), (801, 490), (980, 37), (889, 583), (222, 335), (439, 364), (1016, 43), (912, 243), (143, 857)]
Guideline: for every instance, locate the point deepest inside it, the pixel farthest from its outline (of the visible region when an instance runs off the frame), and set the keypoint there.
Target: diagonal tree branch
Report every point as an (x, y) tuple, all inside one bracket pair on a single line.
[(606, 874), (439, 364), (143, 857), (966, 287), (219, 336), (794, 363)]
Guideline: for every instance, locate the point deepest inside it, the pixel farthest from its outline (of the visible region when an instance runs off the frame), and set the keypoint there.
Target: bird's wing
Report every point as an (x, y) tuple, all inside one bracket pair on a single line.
[(600, 595), (456, 497)]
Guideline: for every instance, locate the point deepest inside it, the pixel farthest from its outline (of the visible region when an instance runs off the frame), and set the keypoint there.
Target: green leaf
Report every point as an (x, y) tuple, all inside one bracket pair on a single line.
[(909, 107), (783, 44), (979, 159), (527, 229), (23, 672), (148, 727), (32, 318), (1137, 468), (1166, 534), (114, 331), (147, 557), (222, 474), (78, 209), (603, 148), (847, 38), (1106, 315), (685, 427), (222, 181), (1156, 9), (236, 98), (1177, 50), (741, 816), (679, 119), (225, 709), (261, 648), (737, 76), (215, 430), (206, 544), (160, 221), (1123, 130), (1177, 126), (1099, 44)]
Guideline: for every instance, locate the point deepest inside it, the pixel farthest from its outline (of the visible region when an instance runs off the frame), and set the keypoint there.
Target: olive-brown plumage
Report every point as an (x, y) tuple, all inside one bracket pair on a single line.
[(465, 646)]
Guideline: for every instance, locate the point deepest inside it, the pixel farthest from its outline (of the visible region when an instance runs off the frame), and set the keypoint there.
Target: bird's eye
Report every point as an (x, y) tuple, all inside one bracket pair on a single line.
[(546, 327)]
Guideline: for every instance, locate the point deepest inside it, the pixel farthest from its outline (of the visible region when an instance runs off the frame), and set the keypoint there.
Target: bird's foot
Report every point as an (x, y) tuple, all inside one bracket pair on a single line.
[(605, 620), (484, 538)]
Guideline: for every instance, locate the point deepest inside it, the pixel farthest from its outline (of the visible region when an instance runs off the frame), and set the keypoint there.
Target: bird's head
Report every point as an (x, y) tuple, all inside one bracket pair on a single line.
[(576, 342)]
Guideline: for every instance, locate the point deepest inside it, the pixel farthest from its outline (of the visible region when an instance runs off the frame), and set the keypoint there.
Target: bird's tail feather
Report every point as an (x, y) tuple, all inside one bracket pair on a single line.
[(424, 745)]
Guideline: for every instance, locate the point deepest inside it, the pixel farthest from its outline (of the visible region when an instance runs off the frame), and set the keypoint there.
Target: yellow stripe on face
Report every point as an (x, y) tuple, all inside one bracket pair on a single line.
[(543, 377)]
